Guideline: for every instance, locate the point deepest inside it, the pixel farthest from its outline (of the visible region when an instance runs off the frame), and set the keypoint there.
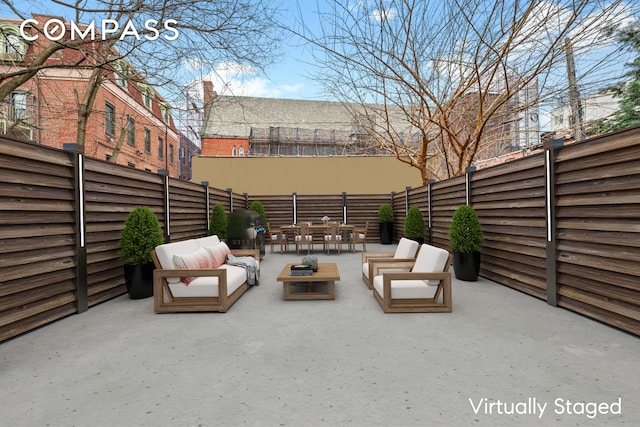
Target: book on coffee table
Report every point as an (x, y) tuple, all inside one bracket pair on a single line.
[(301, 270)]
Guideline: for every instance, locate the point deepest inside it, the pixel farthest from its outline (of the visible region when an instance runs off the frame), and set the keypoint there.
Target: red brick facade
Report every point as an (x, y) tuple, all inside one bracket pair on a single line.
[(146, 134)]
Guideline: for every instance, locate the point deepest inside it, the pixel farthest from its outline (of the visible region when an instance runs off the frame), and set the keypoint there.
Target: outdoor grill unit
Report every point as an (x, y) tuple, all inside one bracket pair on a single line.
[(245, 230)]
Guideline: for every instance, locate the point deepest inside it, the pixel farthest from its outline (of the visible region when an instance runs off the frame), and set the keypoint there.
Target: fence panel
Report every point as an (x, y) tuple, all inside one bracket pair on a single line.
[(188, 210), (446, 196), (37, 237), (510, 202), (364, 207), (598, 200), (279, 208), (111, 193)]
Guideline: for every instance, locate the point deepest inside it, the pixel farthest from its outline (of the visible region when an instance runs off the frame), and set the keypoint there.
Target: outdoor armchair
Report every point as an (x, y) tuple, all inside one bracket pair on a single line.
[(425, 288), (406, 250)]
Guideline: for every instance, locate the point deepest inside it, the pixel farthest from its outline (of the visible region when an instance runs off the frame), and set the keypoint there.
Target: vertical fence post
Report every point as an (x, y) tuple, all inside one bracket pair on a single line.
[(550, 150), (429, 220), (207, 204), (470, 170), (230, 191), (344, 207), (406, 200), (393, 208), (82, 285), (167, 216), (295, 208)]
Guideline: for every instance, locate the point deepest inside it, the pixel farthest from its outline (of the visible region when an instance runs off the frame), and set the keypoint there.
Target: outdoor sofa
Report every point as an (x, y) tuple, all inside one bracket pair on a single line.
[(198, 275)]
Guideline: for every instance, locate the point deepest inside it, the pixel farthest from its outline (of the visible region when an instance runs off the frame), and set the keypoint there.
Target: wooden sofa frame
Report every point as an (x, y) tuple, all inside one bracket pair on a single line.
[(165, 302)]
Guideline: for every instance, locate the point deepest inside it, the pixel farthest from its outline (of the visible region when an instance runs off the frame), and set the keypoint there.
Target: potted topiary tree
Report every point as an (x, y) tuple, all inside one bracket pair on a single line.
[(414, 225), (140, 235), (385, 221), (465, 238), (218, 222)]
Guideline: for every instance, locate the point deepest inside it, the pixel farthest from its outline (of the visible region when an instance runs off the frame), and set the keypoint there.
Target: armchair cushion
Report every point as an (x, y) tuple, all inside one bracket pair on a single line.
[(430, 259), (407, 248)]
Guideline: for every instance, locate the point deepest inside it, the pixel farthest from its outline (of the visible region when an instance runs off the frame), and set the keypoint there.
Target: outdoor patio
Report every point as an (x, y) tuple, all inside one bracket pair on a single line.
[(269, 362)]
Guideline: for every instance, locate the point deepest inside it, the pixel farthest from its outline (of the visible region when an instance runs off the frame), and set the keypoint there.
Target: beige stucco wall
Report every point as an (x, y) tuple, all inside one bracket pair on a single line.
[(305, 175)]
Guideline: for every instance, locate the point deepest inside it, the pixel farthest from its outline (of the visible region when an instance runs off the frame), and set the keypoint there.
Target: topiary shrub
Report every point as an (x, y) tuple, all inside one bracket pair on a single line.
[(140, 235), (465, 232), (218, 222), (257, 207), (414, 224), (385, 213)]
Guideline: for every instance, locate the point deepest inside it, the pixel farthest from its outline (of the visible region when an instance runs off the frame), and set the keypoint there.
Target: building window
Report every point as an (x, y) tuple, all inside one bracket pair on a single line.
[(13, 47), (160, 148), (121, 73), (234, 151), (147, 94), (147, 140), (170, 153), (110, 119), (131, 131), (18, 106), (241, 152), (166, 113)]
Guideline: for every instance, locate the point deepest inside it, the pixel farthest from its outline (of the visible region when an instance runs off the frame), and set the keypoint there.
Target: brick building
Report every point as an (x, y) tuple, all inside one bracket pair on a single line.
[(130, 122)]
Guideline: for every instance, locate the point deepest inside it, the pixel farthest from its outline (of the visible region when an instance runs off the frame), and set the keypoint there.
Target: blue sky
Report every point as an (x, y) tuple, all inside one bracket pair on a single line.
[(290, 77)]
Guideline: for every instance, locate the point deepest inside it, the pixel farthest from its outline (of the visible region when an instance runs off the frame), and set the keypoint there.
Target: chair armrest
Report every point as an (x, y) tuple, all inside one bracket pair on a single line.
[(443, 277), (376, 267), (368, 255), (401, 275), (247, 252)]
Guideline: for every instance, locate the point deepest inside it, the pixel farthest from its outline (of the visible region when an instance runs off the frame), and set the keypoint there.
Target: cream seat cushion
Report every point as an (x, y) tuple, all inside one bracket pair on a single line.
[(208, 286)]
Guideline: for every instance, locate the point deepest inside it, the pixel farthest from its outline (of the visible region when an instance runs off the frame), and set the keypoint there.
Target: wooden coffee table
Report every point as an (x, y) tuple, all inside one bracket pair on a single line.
[(321, 285)]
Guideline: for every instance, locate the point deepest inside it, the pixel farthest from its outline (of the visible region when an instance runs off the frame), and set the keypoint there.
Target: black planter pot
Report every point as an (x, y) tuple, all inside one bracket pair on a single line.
[(466, 265), (420, 240), (386, 233), (139, 280)]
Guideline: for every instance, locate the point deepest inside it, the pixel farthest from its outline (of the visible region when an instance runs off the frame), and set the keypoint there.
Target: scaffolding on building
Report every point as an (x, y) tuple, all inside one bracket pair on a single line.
[(288, 141)]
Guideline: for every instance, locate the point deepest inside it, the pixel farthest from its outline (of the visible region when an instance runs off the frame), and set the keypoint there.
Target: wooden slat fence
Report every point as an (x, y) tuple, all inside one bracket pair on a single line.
[(446, 196), (510, 202), (111, 193), (572, 242), (598, 229), (37, 238)]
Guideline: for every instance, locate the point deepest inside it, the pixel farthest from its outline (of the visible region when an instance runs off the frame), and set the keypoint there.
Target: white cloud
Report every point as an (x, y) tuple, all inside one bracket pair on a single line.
[(384, 14), (242, 80)]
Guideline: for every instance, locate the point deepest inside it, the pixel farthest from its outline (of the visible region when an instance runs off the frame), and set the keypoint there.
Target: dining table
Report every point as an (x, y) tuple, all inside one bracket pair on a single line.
[(317, 230)]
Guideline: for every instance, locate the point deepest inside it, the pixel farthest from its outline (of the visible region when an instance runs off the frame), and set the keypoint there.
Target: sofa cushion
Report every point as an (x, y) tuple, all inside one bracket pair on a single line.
[(208, 286), (166, 251), (218, 253), (198, 259), (207, 241)]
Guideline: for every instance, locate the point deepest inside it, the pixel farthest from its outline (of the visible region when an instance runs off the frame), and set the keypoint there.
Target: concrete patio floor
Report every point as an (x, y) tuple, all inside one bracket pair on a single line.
[(269, 362)]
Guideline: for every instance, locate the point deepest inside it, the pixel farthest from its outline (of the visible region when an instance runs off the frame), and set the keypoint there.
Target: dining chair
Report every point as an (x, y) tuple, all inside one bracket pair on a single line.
[(303, 236), (278, 237), (359, 236), (332, 236)]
